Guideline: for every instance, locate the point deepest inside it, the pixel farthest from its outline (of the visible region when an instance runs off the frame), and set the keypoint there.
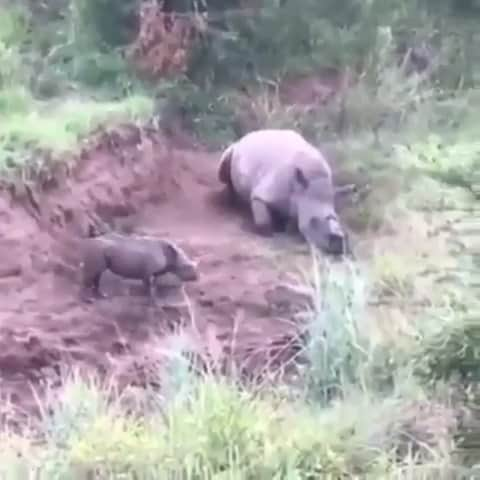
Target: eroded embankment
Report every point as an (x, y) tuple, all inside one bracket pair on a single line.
[(145, 185)]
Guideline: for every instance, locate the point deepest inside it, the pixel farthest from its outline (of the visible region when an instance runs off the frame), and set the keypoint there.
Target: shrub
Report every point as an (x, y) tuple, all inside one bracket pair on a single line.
[(342, 349), (450, 351), (104, 23), (219, 429)]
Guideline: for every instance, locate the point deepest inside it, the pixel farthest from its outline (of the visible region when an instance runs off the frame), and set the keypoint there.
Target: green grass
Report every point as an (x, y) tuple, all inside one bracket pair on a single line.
[(78, 100), (389, 337), (58, 126), (220, 431)]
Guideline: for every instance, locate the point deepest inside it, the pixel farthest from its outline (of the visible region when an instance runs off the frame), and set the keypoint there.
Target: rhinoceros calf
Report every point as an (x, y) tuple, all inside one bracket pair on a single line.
[(279, 173), (143, 258)]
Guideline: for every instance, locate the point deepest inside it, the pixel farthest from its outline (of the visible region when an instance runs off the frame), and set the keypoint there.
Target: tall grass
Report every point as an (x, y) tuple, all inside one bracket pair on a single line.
[(206, 426), (368, 406), (338, 349)]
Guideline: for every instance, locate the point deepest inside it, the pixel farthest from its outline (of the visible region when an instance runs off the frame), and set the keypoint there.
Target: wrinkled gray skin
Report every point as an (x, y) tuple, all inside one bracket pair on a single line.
[(142, 258), (279, 172)]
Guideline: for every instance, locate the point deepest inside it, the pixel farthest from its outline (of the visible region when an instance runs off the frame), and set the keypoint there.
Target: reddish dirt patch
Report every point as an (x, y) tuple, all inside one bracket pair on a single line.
[(239, 311)]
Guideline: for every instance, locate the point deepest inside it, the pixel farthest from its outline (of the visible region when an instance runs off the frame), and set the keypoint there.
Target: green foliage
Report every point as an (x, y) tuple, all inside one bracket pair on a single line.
[(341, 351), (53, 52), (209, 115), (450, 350), (453, 352), (42, 61), (13, 30), (240, 47), (216, 430), (30, 124), (246, 48), (75, 63), (13, 25), (105, 23), (462, 7), (350, 419)]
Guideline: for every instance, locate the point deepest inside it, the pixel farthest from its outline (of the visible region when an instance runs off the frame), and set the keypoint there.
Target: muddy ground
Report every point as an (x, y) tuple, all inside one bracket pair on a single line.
[(141, 183)]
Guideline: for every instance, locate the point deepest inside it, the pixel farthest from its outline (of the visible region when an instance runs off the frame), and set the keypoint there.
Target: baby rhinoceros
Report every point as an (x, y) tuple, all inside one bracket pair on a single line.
[(142, 258), (281, 175)]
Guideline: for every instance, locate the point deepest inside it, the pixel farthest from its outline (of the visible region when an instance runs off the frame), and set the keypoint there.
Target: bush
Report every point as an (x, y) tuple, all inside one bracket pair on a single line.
[(105, 23), (451, 351), (363, 406), (342, 350), (13, 32), (221, 430), (209, 115)]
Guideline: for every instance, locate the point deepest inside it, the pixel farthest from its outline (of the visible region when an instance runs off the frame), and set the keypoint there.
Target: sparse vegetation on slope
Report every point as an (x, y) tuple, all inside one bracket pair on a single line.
[(385, 384)]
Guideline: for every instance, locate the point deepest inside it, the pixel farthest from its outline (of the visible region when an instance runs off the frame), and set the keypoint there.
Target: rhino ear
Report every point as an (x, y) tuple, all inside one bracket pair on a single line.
[(300, 177), (171, 253)]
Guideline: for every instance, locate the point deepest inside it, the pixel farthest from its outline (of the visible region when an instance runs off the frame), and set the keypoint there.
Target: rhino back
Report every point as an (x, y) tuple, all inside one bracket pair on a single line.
[(266, 157), (134, 259)]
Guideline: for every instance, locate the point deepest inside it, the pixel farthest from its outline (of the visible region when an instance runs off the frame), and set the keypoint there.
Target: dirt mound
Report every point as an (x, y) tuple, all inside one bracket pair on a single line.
[(142, 184)]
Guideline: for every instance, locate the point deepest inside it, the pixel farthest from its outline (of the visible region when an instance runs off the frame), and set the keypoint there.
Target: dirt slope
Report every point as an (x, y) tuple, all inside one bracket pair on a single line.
[(237, 306)]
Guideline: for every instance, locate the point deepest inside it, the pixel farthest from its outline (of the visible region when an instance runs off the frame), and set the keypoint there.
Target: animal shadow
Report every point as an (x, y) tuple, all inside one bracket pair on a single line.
[(227, 204)]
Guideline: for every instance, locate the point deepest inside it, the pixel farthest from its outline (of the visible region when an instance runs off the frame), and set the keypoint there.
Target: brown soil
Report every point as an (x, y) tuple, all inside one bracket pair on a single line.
[(237, 310)]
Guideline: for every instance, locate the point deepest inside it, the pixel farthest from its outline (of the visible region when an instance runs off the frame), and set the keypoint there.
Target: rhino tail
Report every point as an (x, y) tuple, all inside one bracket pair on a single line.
[(224, 165)]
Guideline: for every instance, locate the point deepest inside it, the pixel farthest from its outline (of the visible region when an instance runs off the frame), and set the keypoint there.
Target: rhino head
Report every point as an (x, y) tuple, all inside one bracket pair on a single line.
[(313, 203)]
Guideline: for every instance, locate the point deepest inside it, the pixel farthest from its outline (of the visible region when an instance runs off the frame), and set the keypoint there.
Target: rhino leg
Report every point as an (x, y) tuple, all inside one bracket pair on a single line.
[(262, 217), (149, 286), (91, 288), (291, 226)]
